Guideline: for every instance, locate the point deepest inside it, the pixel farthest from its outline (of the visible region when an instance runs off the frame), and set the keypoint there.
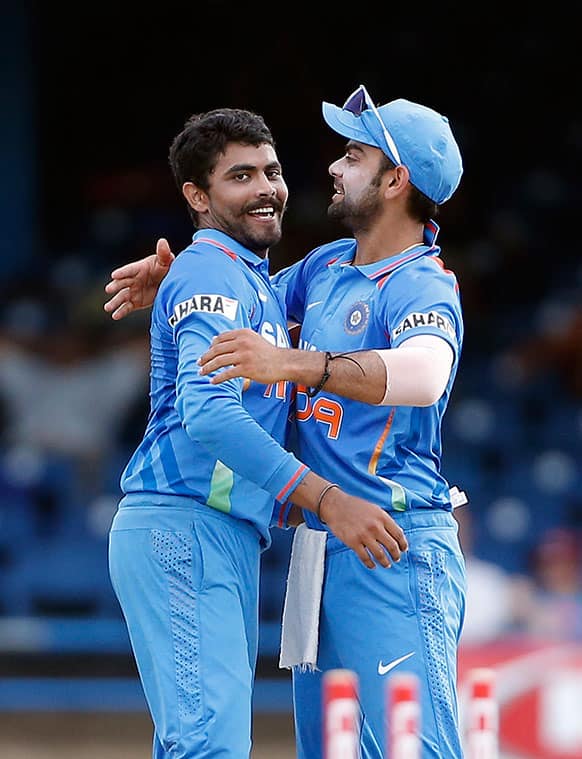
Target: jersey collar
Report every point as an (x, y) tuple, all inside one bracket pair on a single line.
[(229, 246), (380, 269)]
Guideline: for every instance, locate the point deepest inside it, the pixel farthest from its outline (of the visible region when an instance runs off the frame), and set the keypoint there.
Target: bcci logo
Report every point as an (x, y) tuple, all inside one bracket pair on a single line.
[(357, 318)]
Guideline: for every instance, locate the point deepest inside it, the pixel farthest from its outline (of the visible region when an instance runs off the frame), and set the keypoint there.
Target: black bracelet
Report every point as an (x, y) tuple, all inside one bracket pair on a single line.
[(324, 377), (320, 499), (327, 374)]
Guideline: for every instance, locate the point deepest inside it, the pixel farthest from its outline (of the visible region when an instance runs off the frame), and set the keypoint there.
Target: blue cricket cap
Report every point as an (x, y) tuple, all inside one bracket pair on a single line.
[(410, 134)]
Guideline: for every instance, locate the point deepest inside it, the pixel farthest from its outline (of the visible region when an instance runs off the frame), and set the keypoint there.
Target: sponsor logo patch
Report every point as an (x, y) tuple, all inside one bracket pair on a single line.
[(357, 318), (426, 319), (207, 304)]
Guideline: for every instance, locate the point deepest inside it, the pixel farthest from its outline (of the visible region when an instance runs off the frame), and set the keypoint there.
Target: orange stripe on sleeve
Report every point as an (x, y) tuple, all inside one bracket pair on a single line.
[(282, 494)]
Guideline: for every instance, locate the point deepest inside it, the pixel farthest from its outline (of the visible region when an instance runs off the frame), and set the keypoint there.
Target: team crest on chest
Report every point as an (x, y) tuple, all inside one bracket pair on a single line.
[(357, 317)]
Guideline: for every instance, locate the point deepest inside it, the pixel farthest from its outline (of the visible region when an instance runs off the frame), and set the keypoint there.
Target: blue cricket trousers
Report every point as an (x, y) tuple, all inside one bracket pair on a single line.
[(372, 618), (187, 581)]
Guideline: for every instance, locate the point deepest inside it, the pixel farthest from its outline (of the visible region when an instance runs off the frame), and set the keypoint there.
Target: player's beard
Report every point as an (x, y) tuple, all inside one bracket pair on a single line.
[(357, 215), (251, 234)]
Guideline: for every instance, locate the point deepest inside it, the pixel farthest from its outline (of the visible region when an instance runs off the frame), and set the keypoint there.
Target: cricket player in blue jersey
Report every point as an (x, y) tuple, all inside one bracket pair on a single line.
[(211, 473)]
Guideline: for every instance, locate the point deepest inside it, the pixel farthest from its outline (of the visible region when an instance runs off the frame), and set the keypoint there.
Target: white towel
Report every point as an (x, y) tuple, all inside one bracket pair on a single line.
[(300, 631)]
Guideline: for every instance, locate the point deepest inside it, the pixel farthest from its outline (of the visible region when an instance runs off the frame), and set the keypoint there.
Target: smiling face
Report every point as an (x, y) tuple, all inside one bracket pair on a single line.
[(246, 198)]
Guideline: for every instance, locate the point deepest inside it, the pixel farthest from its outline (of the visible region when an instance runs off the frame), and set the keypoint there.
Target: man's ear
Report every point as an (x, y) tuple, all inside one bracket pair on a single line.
[(398, 178), (197, 198)]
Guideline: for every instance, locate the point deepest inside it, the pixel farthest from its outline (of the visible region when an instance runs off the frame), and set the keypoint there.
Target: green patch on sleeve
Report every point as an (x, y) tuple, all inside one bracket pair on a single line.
[(221, 488)]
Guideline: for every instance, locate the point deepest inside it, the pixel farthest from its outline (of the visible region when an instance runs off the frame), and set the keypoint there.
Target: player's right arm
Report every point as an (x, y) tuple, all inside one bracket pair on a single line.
[(134, 285), (413, 374)]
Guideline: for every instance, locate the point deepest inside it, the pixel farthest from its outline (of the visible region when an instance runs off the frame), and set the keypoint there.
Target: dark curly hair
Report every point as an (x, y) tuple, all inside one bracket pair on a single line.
[(195, 150)]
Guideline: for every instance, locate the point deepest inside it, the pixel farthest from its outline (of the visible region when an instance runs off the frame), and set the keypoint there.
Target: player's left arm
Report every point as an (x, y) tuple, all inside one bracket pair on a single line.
[(413, 374)]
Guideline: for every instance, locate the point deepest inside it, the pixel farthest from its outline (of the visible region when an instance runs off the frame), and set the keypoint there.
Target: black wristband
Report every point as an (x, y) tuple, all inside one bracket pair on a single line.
[(324, 377)]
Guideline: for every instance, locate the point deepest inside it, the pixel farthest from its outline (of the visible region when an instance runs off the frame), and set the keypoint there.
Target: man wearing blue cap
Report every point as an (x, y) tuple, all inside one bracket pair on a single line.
[(381, 335)]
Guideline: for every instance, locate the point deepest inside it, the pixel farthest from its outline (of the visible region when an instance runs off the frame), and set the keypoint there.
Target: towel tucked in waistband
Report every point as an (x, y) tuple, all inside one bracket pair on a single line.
[(300, 631)]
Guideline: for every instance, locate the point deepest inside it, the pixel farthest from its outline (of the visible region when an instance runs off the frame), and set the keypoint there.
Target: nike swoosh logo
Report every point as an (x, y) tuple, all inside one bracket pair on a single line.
[(384, 668), (315, 303)]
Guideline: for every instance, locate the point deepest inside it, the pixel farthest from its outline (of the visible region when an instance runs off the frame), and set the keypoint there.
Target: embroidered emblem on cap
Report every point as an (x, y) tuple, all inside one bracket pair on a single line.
[(357, 318)]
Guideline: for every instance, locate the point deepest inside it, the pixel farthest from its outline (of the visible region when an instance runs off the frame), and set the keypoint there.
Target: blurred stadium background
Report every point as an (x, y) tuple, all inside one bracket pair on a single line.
[(92, 97)]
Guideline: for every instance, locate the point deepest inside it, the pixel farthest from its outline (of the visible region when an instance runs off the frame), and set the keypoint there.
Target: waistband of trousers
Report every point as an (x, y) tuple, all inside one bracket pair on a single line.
[(170, 517), (413, 519)]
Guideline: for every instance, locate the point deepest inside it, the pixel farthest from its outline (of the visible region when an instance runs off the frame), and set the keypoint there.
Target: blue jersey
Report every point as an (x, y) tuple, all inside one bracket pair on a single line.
[(221, 445), (388, 455)]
